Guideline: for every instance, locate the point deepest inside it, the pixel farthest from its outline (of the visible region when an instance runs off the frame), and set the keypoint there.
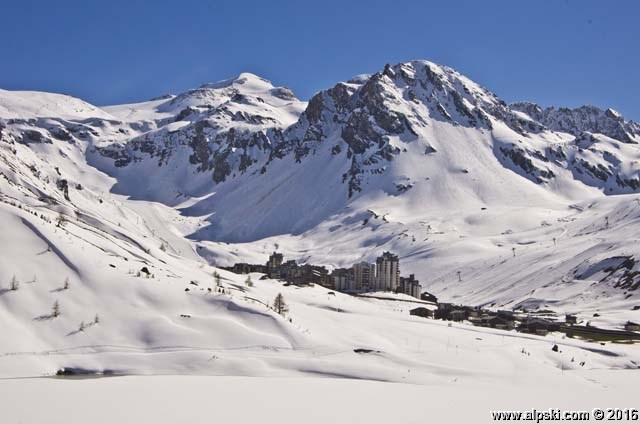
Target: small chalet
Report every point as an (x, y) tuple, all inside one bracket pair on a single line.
[(632, 326), (422, 312), (538, 326), (495, 321), (428, 297), (571, 319), (458, 315)]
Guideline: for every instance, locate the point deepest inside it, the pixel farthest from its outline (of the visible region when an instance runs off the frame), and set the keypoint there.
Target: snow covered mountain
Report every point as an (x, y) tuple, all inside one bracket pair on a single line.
[(219, 130), (114, 221), (533, 206)]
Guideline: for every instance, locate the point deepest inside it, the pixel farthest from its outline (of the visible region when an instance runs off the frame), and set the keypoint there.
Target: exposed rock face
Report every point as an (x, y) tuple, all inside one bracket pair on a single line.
[(366, 114), (230, 128), (583, 119), (523, 160), (63, 186), (226, 127)]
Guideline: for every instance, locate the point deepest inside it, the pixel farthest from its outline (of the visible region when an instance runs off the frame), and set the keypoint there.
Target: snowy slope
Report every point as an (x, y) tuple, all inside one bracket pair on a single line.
[(33, 104), (151, 325), (416, 159)]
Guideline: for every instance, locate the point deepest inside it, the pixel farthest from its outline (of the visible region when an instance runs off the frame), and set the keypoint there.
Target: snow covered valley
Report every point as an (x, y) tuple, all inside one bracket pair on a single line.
[(115, 222)]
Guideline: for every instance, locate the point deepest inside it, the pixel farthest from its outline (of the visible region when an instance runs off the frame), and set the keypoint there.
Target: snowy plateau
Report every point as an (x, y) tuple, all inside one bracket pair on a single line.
[(109, 214)]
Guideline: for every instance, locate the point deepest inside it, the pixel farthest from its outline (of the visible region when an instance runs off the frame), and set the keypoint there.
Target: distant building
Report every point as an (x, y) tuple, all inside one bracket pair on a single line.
[(443, 311), (410, 286), (501, 323), (245, 268), (538, 326), (422, 312), (506, 314), (241, 268), (288, 269), (632, 326), (275, 260), (458, 315), (343, 279), (570, 319), (428, 297), (387, 272), (273, 265), (364, 275), (310, 274)]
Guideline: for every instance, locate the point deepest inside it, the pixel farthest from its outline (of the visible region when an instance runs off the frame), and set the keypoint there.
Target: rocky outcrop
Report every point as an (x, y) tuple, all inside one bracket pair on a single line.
[(583, 119)]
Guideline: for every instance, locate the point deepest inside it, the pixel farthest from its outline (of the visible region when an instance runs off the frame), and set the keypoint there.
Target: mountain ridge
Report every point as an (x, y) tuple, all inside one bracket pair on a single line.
[(415, 158)]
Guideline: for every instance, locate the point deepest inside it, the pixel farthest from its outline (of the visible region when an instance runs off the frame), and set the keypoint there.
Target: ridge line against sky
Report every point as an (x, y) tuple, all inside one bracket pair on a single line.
[(555, 53)]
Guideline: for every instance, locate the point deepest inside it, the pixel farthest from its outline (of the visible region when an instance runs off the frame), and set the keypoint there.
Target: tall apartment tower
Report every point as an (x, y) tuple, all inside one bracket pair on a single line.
[(275, 260), (273, 265), (387, 272), (363, 276)]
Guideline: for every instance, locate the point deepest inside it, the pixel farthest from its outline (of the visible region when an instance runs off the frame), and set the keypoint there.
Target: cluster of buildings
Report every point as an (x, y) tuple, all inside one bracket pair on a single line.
[(383, 275), (533, 323), (362, 277), (537, 322)]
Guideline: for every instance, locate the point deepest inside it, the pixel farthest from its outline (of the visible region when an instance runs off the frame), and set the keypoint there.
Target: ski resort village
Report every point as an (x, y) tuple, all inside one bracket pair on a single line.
[(363, 277), (382, 278)]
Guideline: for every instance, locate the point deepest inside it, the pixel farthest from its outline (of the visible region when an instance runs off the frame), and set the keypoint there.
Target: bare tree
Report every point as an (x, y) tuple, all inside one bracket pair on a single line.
[(217, 278), (56, 309), (279, 305), (249, 282), (96, 320), (66, 283), (81, 327)]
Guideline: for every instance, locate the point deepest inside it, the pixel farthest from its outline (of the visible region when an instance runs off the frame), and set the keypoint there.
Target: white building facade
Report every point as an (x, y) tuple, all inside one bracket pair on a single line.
[(387, 272)]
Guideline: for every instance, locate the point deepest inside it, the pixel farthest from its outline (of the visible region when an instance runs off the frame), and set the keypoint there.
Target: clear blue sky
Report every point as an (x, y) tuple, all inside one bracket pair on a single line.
[(555, 52)]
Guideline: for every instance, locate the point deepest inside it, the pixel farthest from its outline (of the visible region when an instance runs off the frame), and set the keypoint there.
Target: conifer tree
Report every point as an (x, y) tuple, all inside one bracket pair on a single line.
[(14, 284), (279, 305)]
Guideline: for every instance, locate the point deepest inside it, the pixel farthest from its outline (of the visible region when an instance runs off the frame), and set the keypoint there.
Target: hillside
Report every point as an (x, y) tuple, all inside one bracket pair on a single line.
[(134, 204)]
